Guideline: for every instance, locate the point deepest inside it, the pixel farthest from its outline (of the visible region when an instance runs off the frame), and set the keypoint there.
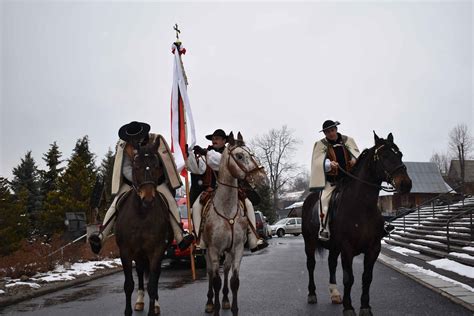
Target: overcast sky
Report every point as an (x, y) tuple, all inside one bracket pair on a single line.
[(70, 69)]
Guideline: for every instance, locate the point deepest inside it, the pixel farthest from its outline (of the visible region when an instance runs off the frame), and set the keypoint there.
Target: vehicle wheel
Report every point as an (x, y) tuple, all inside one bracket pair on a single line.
[(280, 232), (297, 234)]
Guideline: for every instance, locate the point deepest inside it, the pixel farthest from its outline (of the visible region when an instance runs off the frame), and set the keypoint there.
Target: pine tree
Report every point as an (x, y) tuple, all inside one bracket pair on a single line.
[(106, 169), (26, 187), (265, 205), (50, 177), (74, 188), (13, 219)]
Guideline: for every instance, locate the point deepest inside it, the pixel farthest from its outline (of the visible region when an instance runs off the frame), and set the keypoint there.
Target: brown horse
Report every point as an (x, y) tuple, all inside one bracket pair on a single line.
[(226, 225), (357, 224), (142, 229)]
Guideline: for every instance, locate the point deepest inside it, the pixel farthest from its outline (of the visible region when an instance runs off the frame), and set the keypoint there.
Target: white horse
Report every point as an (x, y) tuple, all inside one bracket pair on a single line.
[(226, 224)]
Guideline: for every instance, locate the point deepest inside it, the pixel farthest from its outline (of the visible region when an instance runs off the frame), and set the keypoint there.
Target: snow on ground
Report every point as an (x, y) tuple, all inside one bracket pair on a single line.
[(430, 241), (2, 292), (30, 284), (453, 266), (419, 246), (60, 273), (436, 275), (462, 255), (468, 248), (404, 251)]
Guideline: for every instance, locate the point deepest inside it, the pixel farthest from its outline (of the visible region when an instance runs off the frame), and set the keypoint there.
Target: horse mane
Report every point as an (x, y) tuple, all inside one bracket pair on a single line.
[(360, 161)]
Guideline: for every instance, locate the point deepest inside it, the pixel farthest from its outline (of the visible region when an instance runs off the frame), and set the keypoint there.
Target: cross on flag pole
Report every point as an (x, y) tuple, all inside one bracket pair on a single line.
[(182, 124)]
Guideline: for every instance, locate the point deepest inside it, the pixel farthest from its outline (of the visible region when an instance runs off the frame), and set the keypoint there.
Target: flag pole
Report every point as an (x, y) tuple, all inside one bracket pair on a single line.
[(186, 177)]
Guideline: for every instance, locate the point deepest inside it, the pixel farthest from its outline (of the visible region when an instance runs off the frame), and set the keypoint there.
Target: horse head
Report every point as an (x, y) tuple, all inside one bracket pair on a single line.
[(147, 171), (388, 164), (242, 163)]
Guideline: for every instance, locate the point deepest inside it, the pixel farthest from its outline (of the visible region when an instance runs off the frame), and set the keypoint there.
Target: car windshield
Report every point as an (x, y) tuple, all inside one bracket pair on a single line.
[(281, 221)]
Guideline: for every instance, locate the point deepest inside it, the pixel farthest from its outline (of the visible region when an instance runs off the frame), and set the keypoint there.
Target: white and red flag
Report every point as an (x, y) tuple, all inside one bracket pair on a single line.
[(182, 123)]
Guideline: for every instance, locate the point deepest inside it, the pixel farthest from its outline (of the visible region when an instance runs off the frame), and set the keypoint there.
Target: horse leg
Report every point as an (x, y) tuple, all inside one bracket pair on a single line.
[(310, 248), (348, 280), (332, 263), (235, 280), (210, 292), (128, 284), (225, 290), (152, 287), (216, 278), (369, 261), (140, 303)]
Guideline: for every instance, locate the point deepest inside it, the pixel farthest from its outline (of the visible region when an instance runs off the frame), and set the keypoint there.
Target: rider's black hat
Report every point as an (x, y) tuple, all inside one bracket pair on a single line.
[(217, 132), (134, 131), (329, 124)]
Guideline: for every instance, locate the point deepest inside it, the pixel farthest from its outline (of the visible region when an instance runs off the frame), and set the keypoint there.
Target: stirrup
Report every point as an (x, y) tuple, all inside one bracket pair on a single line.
[(261, 244), (323, 235), (388, 229), (186, 242)]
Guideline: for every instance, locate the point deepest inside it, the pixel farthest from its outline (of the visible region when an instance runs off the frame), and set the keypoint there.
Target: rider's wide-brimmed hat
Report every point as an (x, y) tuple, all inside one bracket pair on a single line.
[(134, 131), (217, 132), (329, 124)]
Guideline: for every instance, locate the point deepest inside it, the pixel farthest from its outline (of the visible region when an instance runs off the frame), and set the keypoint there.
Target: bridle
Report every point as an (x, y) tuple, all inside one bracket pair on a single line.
[(248, 173), (148, 179), (388, 173)]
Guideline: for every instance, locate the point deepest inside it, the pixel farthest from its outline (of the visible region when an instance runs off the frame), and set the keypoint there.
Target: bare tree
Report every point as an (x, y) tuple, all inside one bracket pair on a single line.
[(442, 161), (461, 145), (275, 150)]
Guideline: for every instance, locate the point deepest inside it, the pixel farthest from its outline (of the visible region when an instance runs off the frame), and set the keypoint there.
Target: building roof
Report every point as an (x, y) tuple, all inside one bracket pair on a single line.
[(426, 178), (455, 170)]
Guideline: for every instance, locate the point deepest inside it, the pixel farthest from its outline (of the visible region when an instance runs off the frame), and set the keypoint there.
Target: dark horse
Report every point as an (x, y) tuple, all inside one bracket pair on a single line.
[(357, 226), (142, 230)]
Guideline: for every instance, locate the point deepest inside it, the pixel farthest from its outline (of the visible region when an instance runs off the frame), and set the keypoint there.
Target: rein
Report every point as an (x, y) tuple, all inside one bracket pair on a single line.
[(387, 174)]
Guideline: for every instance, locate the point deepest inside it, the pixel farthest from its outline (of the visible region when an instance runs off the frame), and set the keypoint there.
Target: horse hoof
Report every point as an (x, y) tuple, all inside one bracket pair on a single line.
[(139, 306), (349, 312), (209, 308), (312, 299), (225, 305), (336, 299), (365, 312)]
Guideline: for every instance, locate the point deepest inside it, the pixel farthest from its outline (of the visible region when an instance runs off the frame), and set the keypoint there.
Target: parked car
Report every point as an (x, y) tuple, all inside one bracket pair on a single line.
[(173, 251), (290, 225), (261, 225)]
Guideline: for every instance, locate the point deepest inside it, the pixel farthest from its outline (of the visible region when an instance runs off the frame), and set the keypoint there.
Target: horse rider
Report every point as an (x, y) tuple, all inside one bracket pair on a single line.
[(132, 136), (204, 167), (330, 153)]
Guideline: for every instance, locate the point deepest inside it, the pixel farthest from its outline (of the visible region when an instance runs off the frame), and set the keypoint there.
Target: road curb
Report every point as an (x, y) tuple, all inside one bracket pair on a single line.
[(401, 268), (53, 287)]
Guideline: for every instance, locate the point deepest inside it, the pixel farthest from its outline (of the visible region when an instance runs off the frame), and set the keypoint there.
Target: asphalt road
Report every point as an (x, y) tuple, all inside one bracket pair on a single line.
[(273, 282)]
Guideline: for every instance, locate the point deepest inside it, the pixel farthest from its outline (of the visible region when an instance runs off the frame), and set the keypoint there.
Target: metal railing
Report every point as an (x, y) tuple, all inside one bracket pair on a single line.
[(470, 211), (430, 201)]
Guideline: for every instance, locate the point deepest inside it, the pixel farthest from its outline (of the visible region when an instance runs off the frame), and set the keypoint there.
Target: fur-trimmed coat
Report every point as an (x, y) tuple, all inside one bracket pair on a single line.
[(320, 153), (123, 148)]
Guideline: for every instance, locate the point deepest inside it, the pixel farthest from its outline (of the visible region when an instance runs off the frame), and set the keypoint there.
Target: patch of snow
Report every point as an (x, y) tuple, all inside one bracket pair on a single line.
[(419, 246), (462, 255), (33, 285), (430, 241), (404, 251), (2, 292), (382, 242), (435, 236), (436, 275), (456, 267), (468, 248), (76, 269)]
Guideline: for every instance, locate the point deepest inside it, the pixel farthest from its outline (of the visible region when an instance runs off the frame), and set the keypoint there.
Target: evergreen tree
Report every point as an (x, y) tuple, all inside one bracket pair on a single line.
[(13, 219), (26, 186), (50, 177), (75, 187), (266, 201), (106, 169)]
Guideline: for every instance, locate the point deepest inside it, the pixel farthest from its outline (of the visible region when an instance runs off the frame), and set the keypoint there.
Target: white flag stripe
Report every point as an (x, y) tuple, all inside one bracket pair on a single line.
[(180, 85)]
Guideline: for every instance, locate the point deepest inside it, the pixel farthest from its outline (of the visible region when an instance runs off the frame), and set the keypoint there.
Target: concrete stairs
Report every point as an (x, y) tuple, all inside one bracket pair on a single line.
[(426, 232)]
